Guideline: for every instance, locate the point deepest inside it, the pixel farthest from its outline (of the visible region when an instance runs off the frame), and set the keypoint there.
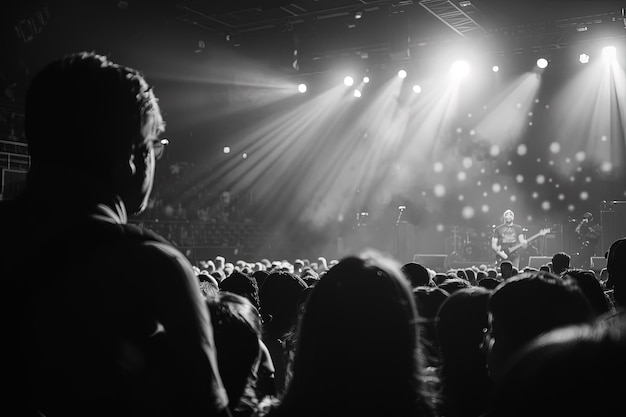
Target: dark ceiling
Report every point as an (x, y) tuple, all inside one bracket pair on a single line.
[(320, 30)]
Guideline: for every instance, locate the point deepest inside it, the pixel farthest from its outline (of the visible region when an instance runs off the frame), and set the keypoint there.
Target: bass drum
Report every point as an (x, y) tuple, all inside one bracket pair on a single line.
[(472, 252)]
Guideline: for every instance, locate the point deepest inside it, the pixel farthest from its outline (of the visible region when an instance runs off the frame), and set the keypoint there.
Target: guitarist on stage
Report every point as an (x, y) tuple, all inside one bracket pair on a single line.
[(506, 235), (589, 233)]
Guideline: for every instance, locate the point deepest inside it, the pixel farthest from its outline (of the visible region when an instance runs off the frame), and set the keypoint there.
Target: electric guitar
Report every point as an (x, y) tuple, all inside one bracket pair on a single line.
[(513, 248)]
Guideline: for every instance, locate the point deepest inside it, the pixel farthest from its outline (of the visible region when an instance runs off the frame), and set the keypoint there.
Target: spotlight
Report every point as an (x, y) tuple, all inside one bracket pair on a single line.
[(417, 89), (357, 93), (402, 73), (609, 53), (348, 81), (495, 68), (542, 63), (358, 15), (226, 149), (460, 69), (366, 79), (583, 58), (302, 88)]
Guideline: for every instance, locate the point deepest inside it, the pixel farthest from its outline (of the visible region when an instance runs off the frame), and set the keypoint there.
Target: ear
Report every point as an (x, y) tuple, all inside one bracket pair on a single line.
[(131, 164)]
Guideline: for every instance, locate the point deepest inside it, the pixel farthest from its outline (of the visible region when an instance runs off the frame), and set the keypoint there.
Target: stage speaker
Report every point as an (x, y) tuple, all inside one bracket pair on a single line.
[(538, 261), (613, 221), (597, 263), (435, 262)]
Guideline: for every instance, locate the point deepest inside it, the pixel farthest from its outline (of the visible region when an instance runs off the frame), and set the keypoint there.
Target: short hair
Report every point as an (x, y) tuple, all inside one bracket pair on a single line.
[(552, 376), (83, 104), (592, 289), (243, 285), (417, 274), (532, 303), (489, 283), (506, 269), (560, 262)]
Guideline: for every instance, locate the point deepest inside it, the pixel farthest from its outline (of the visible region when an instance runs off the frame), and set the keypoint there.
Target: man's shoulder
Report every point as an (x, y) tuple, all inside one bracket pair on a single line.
[(135, 258), (121, 245), (138, 241)]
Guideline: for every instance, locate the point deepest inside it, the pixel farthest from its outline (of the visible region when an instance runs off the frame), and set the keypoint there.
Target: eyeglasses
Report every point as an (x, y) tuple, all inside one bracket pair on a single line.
[(159, 147)]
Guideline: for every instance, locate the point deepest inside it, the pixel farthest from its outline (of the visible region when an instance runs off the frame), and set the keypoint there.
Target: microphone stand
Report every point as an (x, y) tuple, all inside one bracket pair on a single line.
[(401, 210)]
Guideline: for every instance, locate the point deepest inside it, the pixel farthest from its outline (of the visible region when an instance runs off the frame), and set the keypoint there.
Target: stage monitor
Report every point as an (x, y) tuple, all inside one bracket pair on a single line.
[(596, 263), (435, 262), (538, 261)]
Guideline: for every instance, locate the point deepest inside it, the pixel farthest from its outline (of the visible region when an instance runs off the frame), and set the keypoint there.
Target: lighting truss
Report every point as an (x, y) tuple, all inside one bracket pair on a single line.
[(456, 17)]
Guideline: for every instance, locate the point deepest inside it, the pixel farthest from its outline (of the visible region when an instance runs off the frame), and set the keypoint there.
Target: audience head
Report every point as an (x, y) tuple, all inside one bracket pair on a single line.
[(243, 285), (357, 348), (236, 331), (572, 371), (460, 273), (322, 264), (489, 283), (461, 319), (506, 269), (310, 277), (465, 381), (220, 261), (451, 285), (298, 266), (439, 278), (592, 289), (604, 275), (480, 274), (417, 274), (280, 298), (560, 262), (526, 306), (428, 300), (616, 267), (208, 284), (471, 276), (100, 119), (218, 275)]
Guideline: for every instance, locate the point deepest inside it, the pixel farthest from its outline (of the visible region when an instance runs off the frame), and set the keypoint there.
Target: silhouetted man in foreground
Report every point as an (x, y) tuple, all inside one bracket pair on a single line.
[(101, 318)]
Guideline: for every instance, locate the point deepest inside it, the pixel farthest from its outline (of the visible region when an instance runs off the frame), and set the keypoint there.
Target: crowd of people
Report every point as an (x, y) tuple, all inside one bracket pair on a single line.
[(103, 318)]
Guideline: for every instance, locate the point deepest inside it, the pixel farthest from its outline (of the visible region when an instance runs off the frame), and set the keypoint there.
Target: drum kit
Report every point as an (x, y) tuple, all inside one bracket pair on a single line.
[(467, 244)]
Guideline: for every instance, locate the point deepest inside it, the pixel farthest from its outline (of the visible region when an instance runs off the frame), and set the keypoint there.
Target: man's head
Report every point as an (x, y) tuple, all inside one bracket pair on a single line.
[(417, 274), (588, 217), (509, 216), (560, 262), (525, 306), (506, 269), (98, 118), (616, 268)]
